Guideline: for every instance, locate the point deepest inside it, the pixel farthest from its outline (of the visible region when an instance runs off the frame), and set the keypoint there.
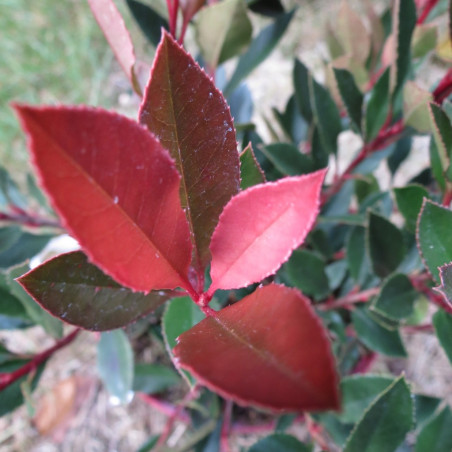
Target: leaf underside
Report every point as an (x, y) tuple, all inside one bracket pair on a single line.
[(274, 353)]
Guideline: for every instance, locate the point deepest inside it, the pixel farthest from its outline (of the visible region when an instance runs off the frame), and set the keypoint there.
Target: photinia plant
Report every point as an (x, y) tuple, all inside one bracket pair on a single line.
[(273, 276)]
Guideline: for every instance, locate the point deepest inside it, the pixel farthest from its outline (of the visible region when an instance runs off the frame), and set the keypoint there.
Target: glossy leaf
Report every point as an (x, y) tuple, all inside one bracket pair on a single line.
[(260, 48), (409, 201), (149, 20), (250, 171), (436, 436), (190, 117), (113, 184), (385, 245), (433, 237), (377, 108), (356, 253), (396, 298), (153, 378), (386, 423), (223, 30), (327, 115), (403, 22), (301, 78), (115, 364), (272, 333), (77, 292), (350, 94), (278, 442), (306, 270), (268, 220), (117, 35), (358, 392), (443, 327), (375, 336), (288, 159)]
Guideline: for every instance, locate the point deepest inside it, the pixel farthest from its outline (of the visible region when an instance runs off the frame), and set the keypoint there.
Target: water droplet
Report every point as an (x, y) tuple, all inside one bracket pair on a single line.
[(210, 95), (157, 255), (116, 200)]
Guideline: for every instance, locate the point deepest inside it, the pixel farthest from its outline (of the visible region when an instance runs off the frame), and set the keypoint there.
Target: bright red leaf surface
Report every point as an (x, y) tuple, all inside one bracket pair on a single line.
[(269, 349), (183, 108), (117, 35), (116, 190), (260, 227)]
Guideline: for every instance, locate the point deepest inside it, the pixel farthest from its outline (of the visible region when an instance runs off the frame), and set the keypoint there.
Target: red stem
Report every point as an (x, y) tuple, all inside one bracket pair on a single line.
[(226, 427), (27, 219), (444, 88), (364, 364), (447, 198), (7, 379), (436, 298), (165, 408), (350, 299), (412, 329), (426, 11)]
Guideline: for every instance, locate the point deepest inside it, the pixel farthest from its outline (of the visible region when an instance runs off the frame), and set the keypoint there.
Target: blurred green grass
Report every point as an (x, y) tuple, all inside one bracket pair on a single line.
[(51, 52)]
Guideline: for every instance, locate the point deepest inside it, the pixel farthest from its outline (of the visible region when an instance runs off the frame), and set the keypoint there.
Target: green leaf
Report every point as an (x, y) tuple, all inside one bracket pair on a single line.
[(442, 131), (433, 236), (416, 107), (288, 159), (350, 94), (396, 298), (403, 22), (153, 378), (115, 364), (358, 392), (424, 407), (436, 165), (259, 49), (149, 21), (250, 171), (399, 154), (9, 191), (442, 322), (356, 253), (377, 108), (180, 315), (327, 115), (425, 38), (223, 30), (307, 272), (284, 422), (76, 291), (149, 444), (301, 78), (409, 201), (8, 237), (385, 245), (291, 121), (386, 422), (336, 272), (25, 247), (375, 336), (51, 325), (12, 312), (278, 442), (436, 436)]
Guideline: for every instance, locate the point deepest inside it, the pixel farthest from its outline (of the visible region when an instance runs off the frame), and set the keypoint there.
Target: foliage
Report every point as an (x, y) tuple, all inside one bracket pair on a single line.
[(190, 218)]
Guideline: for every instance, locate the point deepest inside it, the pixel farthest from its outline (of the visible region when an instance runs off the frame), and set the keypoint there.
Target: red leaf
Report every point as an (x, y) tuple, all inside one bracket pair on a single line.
[(190, 8), (260, 227), (269, 349), (117, 191), (117, 35), (183, 108)]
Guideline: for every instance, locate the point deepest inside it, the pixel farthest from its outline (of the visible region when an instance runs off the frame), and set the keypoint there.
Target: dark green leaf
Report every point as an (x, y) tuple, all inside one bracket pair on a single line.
[(8, 237), (338, 431), (409, 201), (350, 94), (259, 49), (301, 78), (149, 444), (336, 273), (386, 423), (72, 289), (424, 407), (327, 115), (149, 20), (433, 236), (318, 150), (356, 253), (442, 131), (292, 122), (278, 442), (400, 153), (396, 298), (12, 312), (371, 163), (365, 187), (115, 364), (443, 327), (385, 244), (152, 378), (266, 7), (250, 171), (436, 436), (375, 336), (307, 272), (358, 392), (288, 159), (377, 108), (284, 422), (25, 247), (437, 165)]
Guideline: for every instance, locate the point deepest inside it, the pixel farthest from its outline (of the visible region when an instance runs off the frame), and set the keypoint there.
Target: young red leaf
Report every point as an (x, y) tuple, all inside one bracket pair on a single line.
[(117, 35), (190, 117), (260, 227), (116, 190), (269, 349), (78, 293)]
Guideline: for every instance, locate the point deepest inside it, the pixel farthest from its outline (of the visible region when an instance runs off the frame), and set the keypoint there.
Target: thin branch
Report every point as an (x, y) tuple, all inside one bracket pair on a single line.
[(350, 299), (426, 11), (26, 219)]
